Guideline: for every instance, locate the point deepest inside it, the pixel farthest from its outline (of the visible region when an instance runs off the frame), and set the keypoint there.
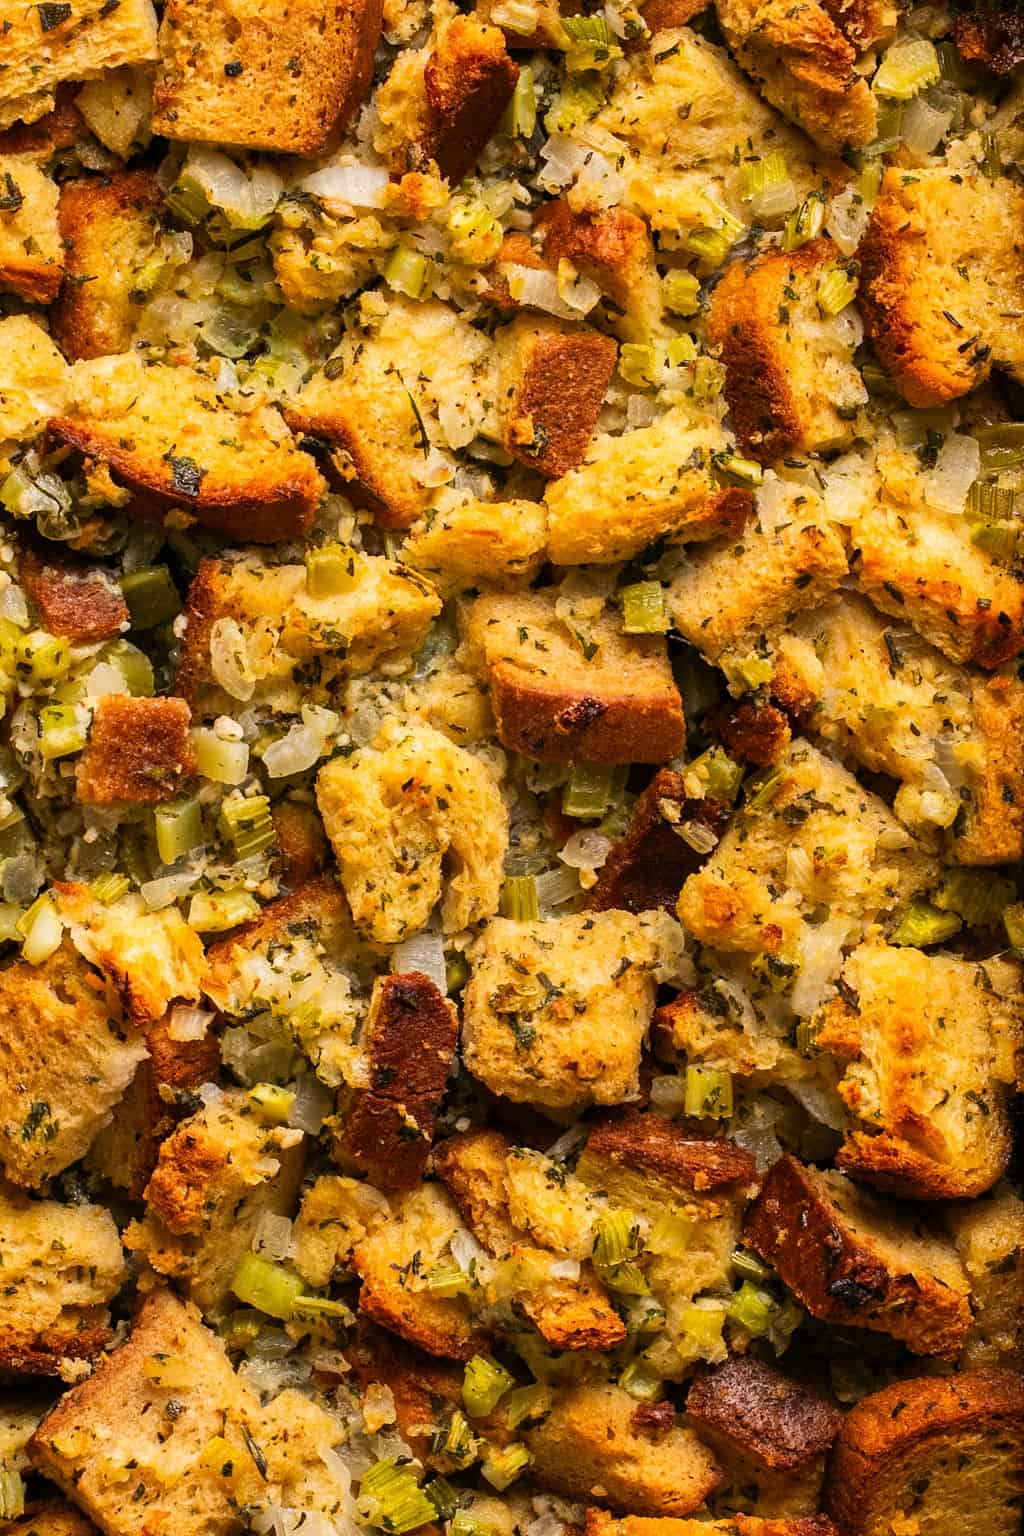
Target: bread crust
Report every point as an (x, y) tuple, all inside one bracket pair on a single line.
[(469, 78), (763, 1413), (553, 381), (653, 1145), (139, 750), (647, 868), (74, 599), (109, 226)]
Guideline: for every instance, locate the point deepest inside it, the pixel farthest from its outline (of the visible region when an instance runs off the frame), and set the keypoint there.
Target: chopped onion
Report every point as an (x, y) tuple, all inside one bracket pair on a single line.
[(167, 889), (668, 1094), (923, 125), (357, 186), (821, 1103), (587, 849), (312, 1104), (13, 605), (424, 953), (603, 183), (542, 290), (229, 660), (847, 219), (956, 469), (569, 1142), (104, 679), (565, 1269), (434, 470), (247, 198), (188, 1023), (272, 1236), (297, 750), (821, 955), (557, 887), (466, 1251), (562, 159), (774, 201)]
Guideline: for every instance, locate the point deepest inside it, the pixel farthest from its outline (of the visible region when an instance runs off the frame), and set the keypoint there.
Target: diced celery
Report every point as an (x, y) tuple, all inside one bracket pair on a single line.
[(762, 788), (643, 1315), (465, 1523), (502, 1467), (273, 1102), (456, 1440), (317, 1310), (217, 911), (10, 917), (110, 887), (442, 1496), (582, 96), (751, 1309), (994, 503), (638, 364), (519, 899), (41, 929), (752, 670), (448, 1280), (456, 971), (748, 1265), (390, 1496), (1013, 922), (1002, 446), (520, 116), (241, 1328), (979, 896), (591, 43), (330, 570), (134, 666), (179, 828), (616, 1239), (701, 1328), (61, 731), (642, 1383), (475, 233), (680, 350), (672, 1235), (735, 467), (708, 1093), (626, 1280), (922, 925), (805, 224), (220, 760), (592, 789), (907, 67), (269, 1287), (681, 292), (12, 1492), (247, 823), (151, 596), (408, 272), (483, 1384), (643, 608), (721, 774), (836, 289), (757, 176), (42, 657), (187, 199), (526, 1405)]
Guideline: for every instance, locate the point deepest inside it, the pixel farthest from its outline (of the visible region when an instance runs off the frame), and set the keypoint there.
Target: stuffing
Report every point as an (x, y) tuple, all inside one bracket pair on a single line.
[(216, 1176), (421, 380), (647, 867), (384, 1130), (31, 254), (940, 1456), (790, 378), (614, 702), (287, 81), (704, 1026), (335, 1215), (555, 1013), (939, 291), (43, 48), (552, 379), (65, 1065), (61, 1265), (753, 732), (110, 228), (42, 133), (476, 543), (289, 646), (35, 384), (612, 248), (856, 1259), (658, 482), (168, 433), (74, 599), (590, 1446), (139, 750), (931, 1051), (408, 818), (989, 1237), (320, 259), (992, 38)]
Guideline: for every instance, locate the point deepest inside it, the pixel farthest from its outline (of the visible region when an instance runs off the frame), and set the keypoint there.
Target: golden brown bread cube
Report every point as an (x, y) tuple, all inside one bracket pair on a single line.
[(31, 255), (477, 543), (283, 79), (612, 248), (110, 227), (35, 384), (647, 867), (939, 1455), (44, 48), (856, 1259), (425, 1390), (468, 78), (139, 750), (552, 382), (989, 1237), (335, 1214), (73, 599)]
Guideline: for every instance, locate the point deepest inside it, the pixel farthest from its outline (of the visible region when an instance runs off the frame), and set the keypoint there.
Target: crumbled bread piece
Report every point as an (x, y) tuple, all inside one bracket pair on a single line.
[(35, 381), (754, 732), (643, 1159), (422, 377), (414, 819), (320, 259), (590, 1446), (856, 1259), (316, 913), (31, 255), (989, 1237), (647, 867), (552, 380), (65, 1065), (790, 379), (217, 1175), (160, 1093), (52, 1518), (551, 702), (61, 1265), (148, 958), (300, 842), (336, 1214), (657, 482), (703, 1025), (939, 292), (803, 65), (554, 1013), (472, 543), (110, 227), (44, 47), (768, 1431), (285, 80), (139, 750), (393, 1263), (295, 647), (168, 433), (613, 248), (384, 1130), (74, 599), (600, 1523), (932, 1050), (932, 1455), (57, 125)]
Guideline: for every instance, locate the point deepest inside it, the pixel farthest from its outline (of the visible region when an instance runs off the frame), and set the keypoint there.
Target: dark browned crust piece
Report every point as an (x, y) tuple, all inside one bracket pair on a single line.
[(561, 387), (94, 214), (993, 38), (695, 1164), (139, 750), (763, 1413), (162, 1093), (74, 599), (534, 719), (469, 80), (647, 868), (612, 248), (755, 733)]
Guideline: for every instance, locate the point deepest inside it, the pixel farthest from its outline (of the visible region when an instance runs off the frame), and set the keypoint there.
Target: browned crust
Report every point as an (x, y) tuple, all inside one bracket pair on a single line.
[(351, 468), (647, 868), (839, 1278), (890, 1164), (161, 1094), (534, 718), (450, 1336), (598, 1522), (763, 1413), (73, 598), (44, 1354), (755, 733), (425, 1389), (53, 1518), (922, 1418), (139, 750), (649, 1142), (90, 214), (202, 607), (318, 904), (518, 250), (58, 129), (993, 38), (563, 376), (386, 1130), (612, 248), (663, 15), (300, 842), (37, 281), (469, 80), (994, 833), (812, 1525)]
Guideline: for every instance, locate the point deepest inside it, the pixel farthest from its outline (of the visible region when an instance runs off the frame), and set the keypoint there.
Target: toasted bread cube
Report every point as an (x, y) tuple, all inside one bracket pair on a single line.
[(291, 639), (35, 384), (938, 291), (857, 1259), (149, 959), (930, 1050), (61, 1264), (654, 483), (301, 844), (612, 248), (313, 920), (551, 702), (468, 80), (42, 48), (555, 1013), (159, 1095), (336, 1214), (993, 821), (470, 543), (423, 375), (942, 1455), (54, 127), (790, 379), (286, 80), (600, 1523), (31, 255), (139, 750), (589, 1446), (409, 1038), (989, 1237), (406, 817), (217, 1174), (80, 601), (110, 227), (65, 1065), (754, 732), (647, 868), (767, 1430), (393, 1263), (168, 433), (552, 381)]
